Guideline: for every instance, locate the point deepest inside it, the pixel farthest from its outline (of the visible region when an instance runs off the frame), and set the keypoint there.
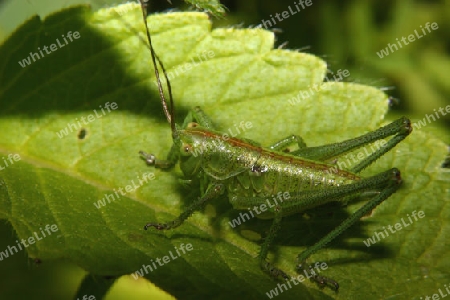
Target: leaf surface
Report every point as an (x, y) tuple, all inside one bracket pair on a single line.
[(236, 76)]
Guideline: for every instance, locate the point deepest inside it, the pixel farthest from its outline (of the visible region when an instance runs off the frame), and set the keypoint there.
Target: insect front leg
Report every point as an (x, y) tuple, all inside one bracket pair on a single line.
[(171, 160), (214, 190)]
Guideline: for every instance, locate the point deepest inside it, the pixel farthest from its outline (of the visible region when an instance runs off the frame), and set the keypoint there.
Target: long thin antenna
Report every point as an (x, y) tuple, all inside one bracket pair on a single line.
[(170, 114)]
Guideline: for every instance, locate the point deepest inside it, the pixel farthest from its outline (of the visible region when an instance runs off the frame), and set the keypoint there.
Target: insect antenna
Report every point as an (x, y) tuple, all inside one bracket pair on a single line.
[(170, 113)]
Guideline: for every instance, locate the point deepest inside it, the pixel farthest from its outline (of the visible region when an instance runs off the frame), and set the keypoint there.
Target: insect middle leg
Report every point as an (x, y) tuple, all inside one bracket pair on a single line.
[(214, 190)]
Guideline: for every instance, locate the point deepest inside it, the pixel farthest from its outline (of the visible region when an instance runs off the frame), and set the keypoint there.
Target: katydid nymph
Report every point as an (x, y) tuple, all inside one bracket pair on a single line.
[(249, 173)]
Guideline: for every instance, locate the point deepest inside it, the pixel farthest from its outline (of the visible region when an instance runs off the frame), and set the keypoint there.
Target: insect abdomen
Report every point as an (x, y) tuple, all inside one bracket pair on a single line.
[(290, 173), (275, 172)]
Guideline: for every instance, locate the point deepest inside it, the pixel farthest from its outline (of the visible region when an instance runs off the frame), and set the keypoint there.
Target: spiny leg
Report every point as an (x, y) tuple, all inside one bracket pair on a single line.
[(393, 184), (214, 190), (286, 142), (400, 136), (265, 265), (400, 128)]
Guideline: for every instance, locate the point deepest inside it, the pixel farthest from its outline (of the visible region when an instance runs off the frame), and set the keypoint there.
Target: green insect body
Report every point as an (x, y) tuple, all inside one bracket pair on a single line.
[(250, 174), (249, 170)]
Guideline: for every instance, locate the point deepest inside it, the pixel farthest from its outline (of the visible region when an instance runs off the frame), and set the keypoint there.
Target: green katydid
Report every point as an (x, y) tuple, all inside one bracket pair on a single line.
[(250, 174)]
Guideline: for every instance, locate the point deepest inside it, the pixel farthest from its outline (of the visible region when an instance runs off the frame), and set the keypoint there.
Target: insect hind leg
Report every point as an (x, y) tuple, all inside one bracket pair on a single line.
[(385, 184), (393, 181), (399, 129)]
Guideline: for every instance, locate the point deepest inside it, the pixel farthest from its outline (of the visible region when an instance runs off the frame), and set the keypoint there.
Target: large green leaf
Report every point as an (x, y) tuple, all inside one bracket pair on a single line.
[(235, 75)]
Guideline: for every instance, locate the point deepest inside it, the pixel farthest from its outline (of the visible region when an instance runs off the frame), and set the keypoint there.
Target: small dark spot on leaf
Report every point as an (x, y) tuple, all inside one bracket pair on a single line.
[(82, 134), (446, 163)]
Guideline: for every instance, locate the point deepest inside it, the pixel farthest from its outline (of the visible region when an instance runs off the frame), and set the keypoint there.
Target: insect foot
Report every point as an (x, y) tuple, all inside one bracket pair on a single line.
[(273, 271), (158, 226), (322, 281), (150, 159), (397, 175), (407, 124)]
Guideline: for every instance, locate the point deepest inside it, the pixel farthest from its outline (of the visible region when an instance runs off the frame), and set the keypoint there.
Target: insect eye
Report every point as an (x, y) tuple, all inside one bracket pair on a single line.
[(192, 125), (186, 149)]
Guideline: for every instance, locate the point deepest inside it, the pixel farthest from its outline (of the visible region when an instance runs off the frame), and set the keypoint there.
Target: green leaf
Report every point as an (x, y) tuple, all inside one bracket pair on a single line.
[(212, 6), (235, 75)]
